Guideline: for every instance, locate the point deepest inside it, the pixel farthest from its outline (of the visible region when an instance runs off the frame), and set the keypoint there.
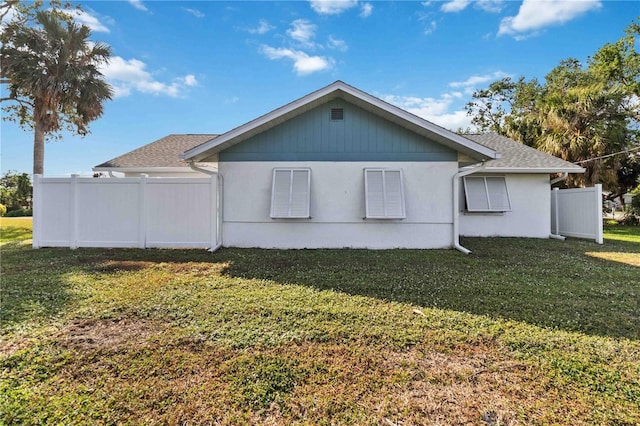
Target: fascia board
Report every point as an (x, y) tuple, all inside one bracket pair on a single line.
[(143, 169), (525, 170)]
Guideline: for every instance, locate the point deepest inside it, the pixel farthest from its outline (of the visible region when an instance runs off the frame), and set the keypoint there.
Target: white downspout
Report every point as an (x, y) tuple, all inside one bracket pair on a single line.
[(219, 210), (564, 176), (456, 205), (551, 183)]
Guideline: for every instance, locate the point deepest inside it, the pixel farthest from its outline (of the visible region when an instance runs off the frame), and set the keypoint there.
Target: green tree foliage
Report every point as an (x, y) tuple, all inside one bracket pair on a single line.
[(51, 69), (16, 190), (580, 113)]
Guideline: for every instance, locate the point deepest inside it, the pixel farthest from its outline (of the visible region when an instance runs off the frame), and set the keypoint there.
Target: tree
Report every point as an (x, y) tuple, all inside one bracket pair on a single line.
[(582, 114), (51, 69), (16, 190)]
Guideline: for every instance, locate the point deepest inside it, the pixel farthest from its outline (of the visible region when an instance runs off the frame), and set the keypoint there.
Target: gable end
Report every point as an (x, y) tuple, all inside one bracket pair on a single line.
[(337, 131)]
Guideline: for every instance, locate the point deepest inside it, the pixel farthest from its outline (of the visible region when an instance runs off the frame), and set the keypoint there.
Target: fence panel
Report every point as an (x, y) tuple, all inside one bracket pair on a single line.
[(125, 212), (108, 212), (577, 212), (55, 226), (190, 200)]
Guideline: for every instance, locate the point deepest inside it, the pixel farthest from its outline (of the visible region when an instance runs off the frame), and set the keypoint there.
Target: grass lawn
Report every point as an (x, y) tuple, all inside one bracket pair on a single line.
[(522, 331)]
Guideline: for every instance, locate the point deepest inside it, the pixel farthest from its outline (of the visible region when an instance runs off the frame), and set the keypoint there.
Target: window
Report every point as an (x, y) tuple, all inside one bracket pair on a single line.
[(290, 193), (486, 194), (384, 194)]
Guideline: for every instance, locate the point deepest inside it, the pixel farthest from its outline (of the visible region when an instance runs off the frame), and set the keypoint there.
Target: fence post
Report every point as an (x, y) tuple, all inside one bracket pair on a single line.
[(213, 182), (35, 243), (556, 208), (73, 217), (142, 218), (598, 202)]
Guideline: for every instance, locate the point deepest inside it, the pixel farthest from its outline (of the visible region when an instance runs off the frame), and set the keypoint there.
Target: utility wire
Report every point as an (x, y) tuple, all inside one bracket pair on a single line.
[(608, 155)]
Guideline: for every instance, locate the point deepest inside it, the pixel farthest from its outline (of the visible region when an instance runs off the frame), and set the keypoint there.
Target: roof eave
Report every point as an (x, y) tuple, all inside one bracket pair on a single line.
[(184, 169), (523, 170)]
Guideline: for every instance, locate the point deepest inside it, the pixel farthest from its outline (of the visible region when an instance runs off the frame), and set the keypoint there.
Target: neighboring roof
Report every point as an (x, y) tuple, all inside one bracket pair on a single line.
[(519, 158), (163, 153), (354, 96)]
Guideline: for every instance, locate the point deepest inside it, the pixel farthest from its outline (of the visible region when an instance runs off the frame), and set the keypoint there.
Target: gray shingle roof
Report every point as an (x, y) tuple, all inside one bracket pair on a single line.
[(164, 152), (518, 156)]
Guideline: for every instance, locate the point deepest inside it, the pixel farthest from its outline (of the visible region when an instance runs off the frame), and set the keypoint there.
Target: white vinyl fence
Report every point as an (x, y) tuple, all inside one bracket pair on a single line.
[(125, 212), (577, 212)]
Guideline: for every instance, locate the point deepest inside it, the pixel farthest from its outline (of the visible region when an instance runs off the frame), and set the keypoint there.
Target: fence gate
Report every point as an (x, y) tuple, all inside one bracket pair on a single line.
[(577, 212), (125, 212)]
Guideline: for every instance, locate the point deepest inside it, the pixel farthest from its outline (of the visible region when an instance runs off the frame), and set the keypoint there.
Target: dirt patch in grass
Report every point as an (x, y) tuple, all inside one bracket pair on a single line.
[(92, 334), (196, 269), (123, 266)]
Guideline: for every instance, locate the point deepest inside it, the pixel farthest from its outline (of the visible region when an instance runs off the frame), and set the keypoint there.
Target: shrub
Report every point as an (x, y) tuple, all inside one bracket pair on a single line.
[(19, 213), (3, 210)]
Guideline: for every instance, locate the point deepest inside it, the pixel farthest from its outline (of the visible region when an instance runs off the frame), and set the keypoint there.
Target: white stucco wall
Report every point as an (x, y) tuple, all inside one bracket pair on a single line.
[(530, 217), (337, 207)]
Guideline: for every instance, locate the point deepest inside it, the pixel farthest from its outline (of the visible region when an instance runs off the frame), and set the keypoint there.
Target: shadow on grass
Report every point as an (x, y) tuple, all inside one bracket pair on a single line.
[(546, 283)]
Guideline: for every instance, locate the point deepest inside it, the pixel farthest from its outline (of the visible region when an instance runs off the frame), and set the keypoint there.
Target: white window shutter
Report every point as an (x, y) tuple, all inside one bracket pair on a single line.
[(498, 195), (384, 194), (299, 205), (476, 194), (486, 194), (374, 197), (394, 197), (290, 193)]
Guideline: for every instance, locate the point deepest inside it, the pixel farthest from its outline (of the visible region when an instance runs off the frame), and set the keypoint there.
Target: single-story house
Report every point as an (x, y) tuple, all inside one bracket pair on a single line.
[(341, 168)]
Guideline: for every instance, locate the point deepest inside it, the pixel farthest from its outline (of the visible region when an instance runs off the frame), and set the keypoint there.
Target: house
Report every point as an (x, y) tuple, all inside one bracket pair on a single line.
[(341, 168)]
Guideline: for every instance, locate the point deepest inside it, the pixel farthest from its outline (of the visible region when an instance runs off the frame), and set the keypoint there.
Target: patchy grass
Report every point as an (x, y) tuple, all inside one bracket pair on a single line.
[(520, 332), (15, 229), (622, 233)]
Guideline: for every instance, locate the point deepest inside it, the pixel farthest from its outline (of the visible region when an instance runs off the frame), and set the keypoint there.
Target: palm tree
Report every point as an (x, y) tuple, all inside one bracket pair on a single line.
[(52, 72)]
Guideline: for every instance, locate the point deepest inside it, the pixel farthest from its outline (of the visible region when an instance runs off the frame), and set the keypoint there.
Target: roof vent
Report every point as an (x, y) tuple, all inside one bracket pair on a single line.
[(337, 114)]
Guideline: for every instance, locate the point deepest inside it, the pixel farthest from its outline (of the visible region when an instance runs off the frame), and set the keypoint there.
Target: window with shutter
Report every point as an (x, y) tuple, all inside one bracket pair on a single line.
[(486, 194), (384, 194), (290, 193)]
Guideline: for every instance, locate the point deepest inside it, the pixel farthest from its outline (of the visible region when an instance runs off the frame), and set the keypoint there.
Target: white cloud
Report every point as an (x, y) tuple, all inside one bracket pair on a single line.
[(332, 7), (447, 110), (194, 12), (366, 9), (534, 15), (190, 80), (232, 100), (303, 64), (9, 16), (455, 6), (474, 80), (337, 44), (493, 6), (435, 110), (138, 5), (303, 32), (262, 28), (130, 75), (85, 18), (431, 28)]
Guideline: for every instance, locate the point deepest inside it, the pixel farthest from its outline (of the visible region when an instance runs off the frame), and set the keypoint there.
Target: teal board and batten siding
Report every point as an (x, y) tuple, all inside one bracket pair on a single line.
[(360, 136)]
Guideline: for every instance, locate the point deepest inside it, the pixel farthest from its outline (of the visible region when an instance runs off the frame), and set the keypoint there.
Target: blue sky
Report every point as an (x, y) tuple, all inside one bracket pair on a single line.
[(207, 67)]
